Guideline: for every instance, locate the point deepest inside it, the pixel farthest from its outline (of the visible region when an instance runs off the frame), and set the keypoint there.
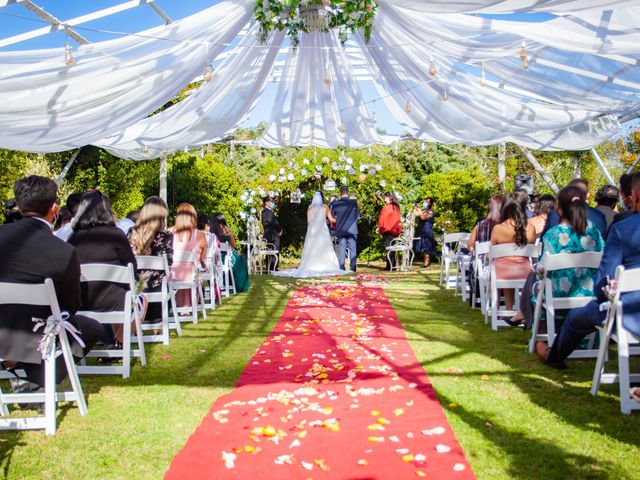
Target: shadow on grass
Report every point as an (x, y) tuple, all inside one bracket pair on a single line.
[(443, 320)]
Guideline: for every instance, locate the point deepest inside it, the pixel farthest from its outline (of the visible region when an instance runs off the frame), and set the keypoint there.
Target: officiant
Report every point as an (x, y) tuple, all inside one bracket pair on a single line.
[(271, 227)]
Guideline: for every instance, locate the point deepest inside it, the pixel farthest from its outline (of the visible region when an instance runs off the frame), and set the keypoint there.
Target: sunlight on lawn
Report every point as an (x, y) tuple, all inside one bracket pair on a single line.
[(514, 417)]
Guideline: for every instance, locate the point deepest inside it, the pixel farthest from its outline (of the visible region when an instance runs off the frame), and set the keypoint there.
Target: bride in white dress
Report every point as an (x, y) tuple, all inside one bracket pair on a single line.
[(318, 255)]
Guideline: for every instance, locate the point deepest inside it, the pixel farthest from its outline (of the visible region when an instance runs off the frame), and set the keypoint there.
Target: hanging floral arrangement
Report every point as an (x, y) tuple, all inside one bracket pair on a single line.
[(347, 16)]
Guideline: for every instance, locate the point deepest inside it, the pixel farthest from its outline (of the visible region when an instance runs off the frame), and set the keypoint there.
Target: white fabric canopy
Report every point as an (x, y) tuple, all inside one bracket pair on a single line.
[(214, 111), (583, 74), (47, 106)]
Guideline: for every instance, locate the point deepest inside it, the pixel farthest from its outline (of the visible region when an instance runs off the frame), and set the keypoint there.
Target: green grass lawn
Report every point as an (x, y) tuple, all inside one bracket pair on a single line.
[(514, 417)]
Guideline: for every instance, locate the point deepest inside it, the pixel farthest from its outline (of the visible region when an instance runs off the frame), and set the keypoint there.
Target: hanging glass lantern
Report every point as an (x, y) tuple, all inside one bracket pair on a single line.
[(68, 57), (295, 196), (432, 68), (208, 73)]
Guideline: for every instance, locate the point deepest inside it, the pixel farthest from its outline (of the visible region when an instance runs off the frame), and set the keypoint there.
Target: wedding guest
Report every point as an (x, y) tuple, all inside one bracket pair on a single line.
[(126, 224), (513, 229), (607, 201), (213, 243), (481, 232), (30, 253), (625, 192), (73, 201), (596, 217), (186, 238), (390, 225), (523, 195), (544, 205), (622, 247), (98, 240), (574, 234), (11, 211), (426, 245), (64, 218), (271, 227), (149, 236), (238, 262)]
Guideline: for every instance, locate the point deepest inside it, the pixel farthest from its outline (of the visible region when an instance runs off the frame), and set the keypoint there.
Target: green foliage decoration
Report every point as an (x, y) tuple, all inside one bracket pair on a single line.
[(347, 16)]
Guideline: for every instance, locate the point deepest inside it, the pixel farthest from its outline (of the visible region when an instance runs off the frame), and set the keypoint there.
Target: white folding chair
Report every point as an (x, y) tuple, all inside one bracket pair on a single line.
[(462, 283), (550, 303), (41, 295), (500, 251), (228, 285), (98, 272), (268, 257), (479, 265), (449, 257), (209, 279), (628, 344), (163, 297), (194, 286)]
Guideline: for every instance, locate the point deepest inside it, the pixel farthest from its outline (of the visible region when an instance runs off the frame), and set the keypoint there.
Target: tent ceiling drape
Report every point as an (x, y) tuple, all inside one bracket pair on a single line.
[(583, 75)]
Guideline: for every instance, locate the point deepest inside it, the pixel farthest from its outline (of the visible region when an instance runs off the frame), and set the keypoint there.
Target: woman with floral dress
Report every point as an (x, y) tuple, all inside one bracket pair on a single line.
[(150, 237), (574, 234)]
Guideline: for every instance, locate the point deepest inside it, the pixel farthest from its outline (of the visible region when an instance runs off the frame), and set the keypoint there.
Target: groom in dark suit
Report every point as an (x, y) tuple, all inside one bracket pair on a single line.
[(347, 215)]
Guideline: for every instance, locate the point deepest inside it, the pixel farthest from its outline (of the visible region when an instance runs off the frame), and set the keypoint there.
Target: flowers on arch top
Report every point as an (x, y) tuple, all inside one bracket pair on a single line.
[(347, 16)]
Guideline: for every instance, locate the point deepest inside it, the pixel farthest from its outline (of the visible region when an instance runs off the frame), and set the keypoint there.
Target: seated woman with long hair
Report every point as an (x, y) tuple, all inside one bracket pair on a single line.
[(186, 238), (149, 236), (98, 240), (482, 230), (545, 204), (238, 262), (512, 229)]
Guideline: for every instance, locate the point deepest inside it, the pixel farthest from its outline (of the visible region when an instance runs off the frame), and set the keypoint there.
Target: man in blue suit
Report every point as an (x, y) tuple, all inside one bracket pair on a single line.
[(597, 218), (622, 248), (347, 214)]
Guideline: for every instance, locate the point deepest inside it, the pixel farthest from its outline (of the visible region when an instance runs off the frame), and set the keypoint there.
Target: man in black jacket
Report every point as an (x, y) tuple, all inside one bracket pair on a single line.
[(271, 226), (30, 253), (347, 214)]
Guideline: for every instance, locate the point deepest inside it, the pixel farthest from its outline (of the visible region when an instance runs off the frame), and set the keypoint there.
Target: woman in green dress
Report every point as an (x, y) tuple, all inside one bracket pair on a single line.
[(238, 262)]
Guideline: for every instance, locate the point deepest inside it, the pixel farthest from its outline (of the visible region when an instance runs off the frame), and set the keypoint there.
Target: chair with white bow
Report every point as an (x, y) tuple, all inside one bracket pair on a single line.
[(55, 343), (130, 313), (628, 344), (550, 303)]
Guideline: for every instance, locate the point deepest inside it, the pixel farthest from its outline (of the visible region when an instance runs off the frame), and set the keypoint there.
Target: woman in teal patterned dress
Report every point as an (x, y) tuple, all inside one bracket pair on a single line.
[(574, 234), (238, 262)]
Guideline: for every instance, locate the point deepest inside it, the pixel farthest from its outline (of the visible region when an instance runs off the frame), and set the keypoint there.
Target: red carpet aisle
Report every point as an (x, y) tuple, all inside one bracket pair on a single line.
[(334, 392)]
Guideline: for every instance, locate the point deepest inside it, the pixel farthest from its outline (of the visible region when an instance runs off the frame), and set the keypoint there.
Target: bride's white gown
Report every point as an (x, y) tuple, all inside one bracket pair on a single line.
[(318, 256)]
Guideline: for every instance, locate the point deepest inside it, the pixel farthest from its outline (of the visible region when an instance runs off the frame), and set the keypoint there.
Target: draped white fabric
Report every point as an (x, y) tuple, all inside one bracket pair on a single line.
[(214, 111), (47, 106), (508, 6), (583, 74), (318, 102)]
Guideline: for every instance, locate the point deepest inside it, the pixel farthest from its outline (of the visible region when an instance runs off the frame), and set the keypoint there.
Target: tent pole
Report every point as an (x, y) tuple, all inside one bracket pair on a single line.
[(502, 170), (538, 168), (163, 177), (603, 167), (66, 168)]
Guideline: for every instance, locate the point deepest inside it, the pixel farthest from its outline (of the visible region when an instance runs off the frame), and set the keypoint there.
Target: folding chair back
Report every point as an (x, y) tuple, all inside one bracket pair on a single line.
[(209, 278), (480, 293), (451, 245), (228, 285), (500, 251), (124, 275), (550, 303), (628, 344), (40, 295), (163, 297), (193, 284)]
